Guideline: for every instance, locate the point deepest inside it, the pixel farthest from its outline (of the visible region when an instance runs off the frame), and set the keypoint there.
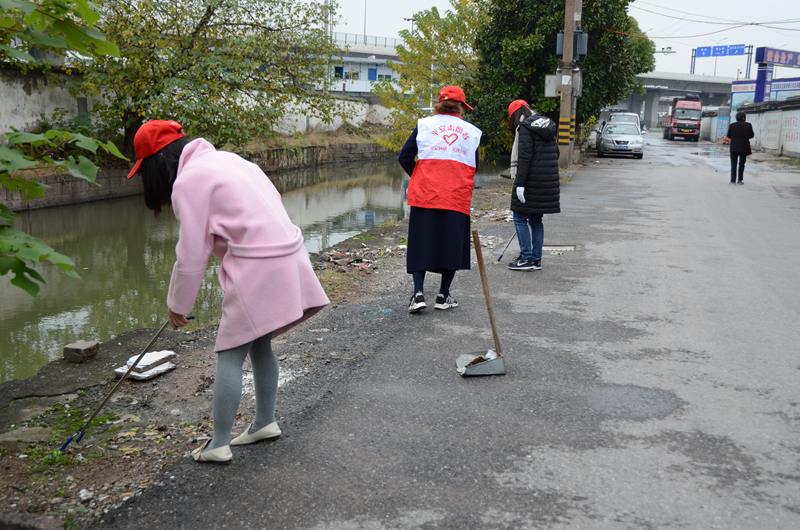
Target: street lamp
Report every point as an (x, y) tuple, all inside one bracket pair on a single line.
[(715, 58), (365, 21), (412, 20), (666, 51)]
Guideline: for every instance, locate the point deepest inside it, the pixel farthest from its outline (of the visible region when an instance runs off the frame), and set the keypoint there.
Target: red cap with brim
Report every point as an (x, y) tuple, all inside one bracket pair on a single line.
[(454, 93), (152, 137), (516, 105)]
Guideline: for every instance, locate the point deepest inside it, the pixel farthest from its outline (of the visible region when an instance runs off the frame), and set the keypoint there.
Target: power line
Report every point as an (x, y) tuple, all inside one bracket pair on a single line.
[(701, 35), (763, 24)]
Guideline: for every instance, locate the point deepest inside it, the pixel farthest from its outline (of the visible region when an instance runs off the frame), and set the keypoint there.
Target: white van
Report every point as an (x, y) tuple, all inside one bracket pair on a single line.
[(626, 117)]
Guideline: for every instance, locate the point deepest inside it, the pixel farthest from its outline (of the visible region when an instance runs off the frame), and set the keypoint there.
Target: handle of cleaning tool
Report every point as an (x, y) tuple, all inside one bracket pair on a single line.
[(82, 430), (507, 244)]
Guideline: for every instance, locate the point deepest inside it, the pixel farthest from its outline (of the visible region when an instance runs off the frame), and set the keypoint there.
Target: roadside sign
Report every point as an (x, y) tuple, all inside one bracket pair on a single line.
[(736, 49), (704, 51), (719, 51)]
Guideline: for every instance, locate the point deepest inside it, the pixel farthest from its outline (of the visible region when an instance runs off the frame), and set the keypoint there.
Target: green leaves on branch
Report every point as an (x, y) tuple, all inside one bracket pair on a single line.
[(58, 25), (26, 150), (61, 26), (439, 52), (16, 246), (229, 71), (517, 50)]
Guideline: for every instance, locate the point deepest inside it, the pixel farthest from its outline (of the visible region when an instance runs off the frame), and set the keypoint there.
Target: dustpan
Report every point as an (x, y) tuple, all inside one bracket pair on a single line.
[(487, 362)]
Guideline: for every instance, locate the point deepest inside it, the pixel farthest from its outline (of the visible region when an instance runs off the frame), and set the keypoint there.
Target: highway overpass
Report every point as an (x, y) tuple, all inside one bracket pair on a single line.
[(714, 90)]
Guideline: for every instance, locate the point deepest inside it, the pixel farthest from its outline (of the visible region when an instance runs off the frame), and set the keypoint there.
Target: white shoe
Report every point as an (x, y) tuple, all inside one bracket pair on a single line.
[(270, 432), (220, 455)]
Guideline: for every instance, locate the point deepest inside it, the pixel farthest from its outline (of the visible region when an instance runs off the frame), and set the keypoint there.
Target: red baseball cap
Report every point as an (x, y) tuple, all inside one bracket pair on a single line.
[(152, 137), (455, 93), (515, 106)]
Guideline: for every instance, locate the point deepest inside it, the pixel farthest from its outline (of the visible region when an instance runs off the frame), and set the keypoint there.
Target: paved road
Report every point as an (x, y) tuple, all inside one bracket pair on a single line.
[(652, 380)]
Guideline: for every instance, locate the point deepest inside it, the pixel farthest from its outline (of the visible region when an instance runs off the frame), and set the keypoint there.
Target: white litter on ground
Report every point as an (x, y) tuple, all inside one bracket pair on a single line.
[(142, 376), (248, 388), (150, 360)]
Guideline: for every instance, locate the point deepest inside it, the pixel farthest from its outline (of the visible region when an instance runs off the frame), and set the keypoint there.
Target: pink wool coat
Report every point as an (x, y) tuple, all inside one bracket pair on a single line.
[(227, 206)]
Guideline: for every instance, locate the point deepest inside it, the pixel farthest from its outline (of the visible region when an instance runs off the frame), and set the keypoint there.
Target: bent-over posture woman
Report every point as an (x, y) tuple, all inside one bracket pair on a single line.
[(226, 206)]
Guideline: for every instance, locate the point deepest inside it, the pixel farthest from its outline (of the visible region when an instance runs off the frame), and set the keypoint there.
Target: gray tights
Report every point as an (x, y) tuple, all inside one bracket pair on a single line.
[(228, 387)]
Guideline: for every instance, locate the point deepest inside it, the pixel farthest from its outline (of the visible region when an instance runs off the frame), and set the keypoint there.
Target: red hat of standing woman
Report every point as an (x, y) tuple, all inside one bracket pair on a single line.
[(516, 105), (152, 137), (455, 93)]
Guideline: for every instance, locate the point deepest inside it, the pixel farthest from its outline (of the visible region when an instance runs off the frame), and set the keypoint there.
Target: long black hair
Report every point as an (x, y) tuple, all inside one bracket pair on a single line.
[(516, 118), (158, 175)]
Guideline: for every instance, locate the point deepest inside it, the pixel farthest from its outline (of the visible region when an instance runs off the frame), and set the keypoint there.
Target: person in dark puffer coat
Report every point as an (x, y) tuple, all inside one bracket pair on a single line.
[(536, 191)]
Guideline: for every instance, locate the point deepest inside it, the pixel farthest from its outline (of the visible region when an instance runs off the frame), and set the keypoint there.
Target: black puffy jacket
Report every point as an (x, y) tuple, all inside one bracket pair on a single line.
[(537, 168)]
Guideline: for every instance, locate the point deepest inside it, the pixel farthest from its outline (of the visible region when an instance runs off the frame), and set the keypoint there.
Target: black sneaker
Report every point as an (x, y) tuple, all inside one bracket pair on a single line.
[(740, 182), (535, 264), (417, 303), (520, 264), (445, 303)]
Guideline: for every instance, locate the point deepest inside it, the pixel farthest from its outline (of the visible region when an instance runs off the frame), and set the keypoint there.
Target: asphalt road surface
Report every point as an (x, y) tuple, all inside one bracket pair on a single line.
[(652, 380)]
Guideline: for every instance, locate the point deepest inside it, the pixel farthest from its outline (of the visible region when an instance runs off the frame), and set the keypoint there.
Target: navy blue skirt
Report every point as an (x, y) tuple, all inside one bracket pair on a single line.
[(438, 240)]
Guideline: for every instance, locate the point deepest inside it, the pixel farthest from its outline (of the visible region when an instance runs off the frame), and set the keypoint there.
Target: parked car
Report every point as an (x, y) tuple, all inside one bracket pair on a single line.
[(620, 138)]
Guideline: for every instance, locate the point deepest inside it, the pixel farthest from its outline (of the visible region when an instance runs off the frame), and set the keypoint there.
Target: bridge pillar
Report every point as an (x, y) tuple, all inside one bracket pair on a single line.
[(651, 109)]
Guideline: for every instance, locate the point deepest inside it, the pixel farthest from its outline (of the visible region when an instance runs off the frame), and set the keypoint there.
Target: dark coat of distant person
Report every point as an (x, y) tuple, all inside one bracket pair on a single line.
[(740, 133)]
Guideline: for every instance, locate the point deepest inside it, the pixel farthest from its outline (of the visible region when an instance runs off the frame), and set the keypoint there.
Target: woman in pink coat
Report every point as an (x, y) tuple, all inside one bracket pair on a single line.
[(226, 206)]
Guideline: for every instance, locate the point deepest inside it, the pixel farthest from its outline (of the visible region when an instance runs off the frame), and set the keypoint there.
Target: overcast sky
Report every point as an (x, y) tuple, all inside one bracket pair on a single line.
[(664, 21)]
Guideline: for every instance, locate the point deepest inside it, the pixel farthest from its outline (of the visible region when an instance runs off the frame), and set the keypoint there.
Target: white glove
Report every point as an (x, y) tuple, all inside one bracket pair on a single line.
[(521, 194)]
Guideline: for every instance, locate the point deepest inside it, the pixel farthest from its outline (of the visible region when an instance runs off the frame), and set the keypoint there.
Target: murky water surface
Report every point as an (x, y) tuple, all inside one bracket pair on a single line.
[(125, 258)]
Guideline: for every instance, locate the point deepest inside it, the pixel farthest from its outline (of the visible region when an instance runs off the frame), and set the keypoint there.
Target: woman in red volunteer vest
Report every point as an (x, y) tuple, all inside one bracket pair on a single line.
[(440, 194)]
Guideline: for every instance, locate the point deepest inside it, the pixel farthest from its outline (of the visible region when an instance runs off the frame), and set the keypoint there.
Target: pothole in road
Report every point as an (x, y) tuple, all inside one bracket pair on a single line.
[(631, 403)]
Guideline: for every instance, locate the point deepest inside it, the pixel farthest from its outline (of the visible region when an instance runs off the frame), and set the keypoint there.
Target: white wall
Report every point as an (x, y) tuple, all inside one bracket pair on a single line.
[(362, 112), (777, 131), (24, 98)]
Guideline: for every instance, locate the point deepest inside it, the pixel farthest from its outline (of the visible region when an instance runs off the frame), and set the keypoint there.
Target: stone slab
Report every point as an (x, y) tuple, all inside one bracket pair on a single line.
[(81, 351)]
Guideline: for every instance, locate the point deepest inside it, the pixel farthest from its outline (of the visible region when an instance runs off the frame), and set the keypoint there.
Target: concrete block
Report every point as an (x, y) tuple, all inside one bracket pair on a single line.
[(81, 351)]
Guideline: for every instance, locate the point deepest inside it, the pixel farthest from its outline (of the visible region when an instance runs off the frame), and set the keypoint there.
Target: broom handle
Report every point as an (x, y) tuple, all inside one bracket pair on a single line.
[(103, 404), (479, 254)]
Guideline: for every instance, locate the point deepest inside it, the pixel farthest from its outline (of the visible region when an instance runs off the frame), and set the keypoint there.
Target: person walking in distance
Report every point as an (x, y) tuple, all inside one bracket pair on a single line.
[(440, 194), (739, 133), (226, 206), (536, 189)]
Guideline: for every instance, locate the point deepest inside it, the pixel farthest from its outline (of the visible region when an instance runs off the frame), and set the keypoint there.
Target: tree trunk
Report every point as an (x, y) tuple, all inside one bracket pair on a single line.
[(130, 132)]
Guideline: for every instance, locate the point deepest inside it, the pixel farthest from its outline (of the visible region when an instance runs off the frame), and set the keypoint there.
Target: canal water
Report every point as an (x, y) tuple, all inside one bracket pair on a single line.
[(125, 258)]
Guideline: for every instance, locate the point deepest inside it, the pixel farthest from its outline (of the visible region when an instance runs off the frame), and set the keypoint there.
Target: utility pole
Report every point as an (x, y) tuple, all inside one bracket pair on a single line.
[(565, 116)]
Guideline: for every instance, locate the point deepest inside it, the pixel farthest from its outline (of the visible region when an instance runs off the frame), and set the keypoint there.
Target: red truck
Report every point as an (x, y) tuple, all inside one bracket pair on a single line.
[(683, 118)]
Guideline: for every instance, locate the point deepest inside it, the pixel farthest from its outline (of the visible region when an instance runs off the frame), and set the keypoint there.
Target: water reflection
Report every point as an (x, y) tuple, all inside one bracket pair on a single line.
[(125, 258)]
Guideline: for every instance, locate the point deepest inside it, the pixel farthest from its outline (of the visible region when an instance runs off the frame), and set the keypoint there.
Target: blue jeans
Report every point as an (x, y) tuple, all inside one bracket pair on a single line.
[(530, 241)]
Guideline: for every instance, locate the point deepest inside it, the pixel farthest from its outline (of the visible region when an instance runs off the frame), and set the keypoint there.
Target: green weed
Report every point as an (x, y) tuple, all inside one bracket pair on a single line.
[(392, 221)]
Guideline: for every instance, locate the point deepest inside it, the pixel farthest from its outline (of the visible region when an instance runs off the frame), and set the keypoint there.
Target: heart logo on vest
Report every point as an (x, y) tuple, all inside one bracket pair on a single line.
[(450, 138)]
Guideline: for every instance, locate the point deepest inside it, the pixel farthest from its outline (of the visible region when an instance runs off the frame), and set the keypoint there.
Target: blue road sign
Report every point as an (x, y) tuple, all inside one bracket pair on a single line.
[(719, 51), (736, 49), (704, 51)]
